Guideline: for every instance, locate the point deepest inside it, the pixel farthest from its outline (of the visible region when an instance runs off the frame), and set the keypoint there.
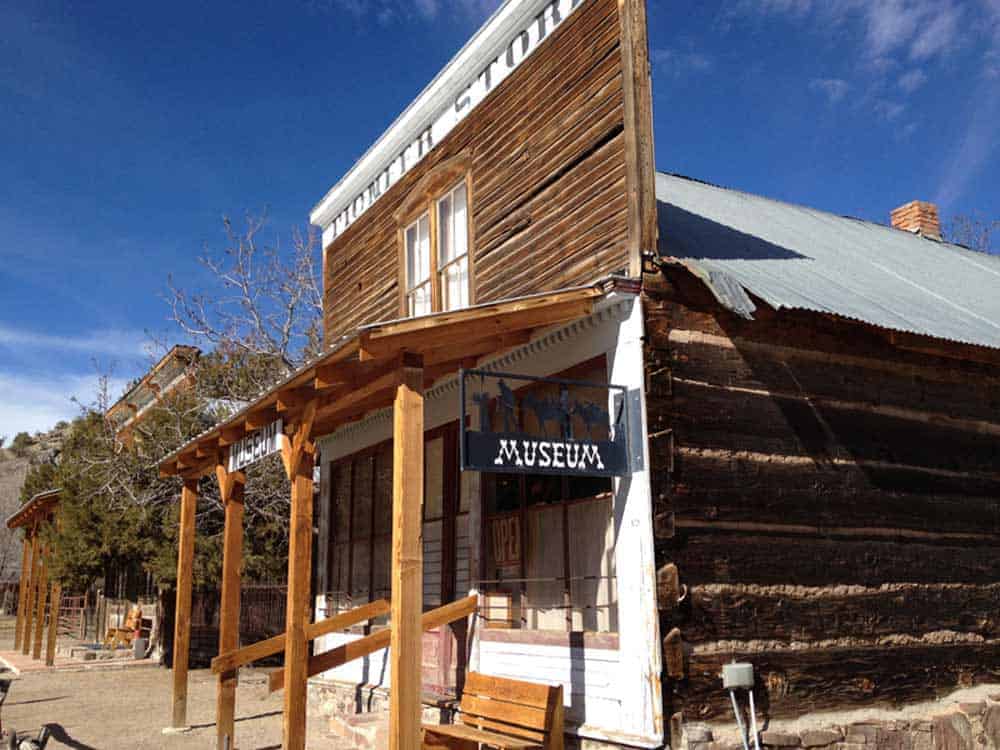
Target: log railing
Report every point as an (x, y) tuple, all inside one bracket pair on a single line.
[(376, 641), (262, 649)]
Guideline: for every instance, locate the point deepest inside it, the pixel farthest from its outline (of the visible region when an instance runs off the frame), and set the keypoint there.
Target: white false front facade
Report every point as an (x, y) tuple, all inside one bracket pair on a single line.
[(572, 602)]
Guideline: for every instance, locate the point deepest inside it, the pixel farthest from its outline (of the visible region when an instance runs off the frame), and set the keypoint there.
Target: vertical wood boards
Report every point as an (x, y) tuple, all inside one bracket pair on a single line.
[(29, 610), (407, 561), (182, 616), (835, 504), (560, 171), (640, 166), (229, 612), (22, 591), (43, 592), (55, 599), (300, 466)]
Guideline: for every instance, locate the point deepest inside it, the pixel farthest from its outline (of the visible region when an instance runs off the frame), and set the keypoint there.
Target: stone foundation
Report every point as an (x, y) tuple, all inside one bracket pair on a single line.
[(972, 724)]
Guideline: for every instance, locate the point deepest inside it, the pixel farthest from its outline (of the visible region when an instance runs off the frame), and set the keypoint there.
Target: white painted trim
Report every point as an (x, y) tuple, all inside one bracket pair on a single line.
[(432, 107), (640, 657)]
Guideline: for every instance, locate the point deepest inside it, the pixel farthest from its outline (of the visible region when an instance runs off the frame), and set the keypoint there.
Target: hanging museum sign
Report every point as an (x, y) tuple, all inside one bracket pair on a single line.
[(529, 425), (254, 447)]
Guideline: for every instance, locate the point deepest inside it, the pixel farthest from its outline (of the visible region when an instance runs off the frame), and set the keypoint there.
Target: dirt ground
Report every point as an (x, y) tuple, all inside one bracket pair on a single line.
[(127, 709)]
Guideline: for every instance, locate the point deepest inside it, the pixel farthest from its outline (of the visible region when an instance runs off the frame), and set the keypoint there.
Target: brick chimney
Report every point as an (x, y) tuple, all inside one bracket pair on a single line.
[(918, 217)]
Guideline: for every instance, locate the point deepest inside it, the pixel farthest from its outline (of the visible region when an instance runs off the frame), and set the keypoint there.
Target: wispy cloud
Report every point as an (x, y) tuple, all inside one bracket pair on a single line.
[(125, 344), (835, 89), (912, 80), (888, 110), (35, 402), (680, 62), (386, 12), (975, 149)]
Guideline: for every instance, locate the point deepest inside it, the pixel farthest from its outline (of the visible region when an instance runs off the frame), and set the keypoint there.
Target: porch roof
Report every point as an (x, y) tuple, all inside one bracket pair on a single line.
[(358, 373), (40, 505)]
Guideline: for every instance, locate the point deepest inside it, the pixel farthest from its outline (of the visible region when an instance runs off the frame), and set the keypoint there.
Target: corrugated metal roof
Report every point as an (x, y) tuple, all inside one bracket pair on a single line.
[(797, 257)]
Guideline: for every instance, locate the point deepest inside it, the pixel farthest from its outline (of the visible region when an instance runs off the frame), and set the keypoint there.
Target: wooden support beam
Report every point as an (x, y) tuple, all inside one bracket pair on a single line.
[(294, 398), (22, 591), (231, 487), (55, 599), (262, 649), (29, 610), (182, 618), (298, 460), (263, 416), (230, 435), (43, 593), (377, 641), (407, 561), (475, 324)]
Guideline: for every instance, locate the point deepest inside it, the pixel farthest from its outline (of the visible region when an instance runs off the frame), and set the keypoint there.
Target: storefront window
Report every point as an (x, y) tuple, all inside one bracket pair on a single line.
[(361, 526), (549, 540)]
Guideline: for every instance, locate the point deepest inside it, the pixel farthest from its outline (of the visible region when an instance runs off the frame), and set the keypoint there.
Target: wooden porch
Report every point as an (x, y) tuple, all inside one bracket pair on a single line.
[(378, 366), (35, 591)]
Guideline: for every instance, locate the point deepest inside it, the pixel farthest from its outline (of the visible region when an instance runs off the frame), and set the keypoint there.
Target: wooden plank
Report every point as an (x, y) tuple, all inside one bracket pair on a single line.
[(793, 682), (816, 613), (43, 591), (379, 640), (262, 649), (471, 734), (300, 467), (638, 114), (22, 591), (407, 561), (55, 600), (182, 615), (231, 488), (32, 593), (474, 328)]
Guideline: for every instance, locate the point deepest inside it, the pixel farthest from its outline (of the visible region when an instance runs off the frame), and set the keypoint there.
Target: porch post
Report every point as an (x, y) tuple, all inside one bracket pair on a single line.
[(31, 593), (407, 559), (55, 599), (182, 614), (22, 591), (639, 653), (43, 592), (297, 454), (231, 491)]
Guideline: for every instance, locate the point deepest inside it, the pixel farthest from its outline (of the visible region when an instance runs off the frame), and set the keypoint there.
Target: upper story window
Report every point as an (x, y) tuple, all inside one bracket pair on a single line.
[(436, 267)]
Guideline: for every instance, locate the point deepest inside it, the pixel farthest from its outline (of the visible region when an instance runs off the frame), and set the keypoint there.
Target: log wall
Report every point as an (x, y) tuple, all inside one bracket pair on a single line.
[(832, 503), (546, 154)]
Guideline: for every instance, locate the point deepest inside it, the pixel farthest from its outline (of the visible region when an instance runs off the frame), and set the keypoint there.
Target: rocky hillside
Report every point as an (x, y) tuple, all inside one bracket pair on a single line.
[(14, 466)]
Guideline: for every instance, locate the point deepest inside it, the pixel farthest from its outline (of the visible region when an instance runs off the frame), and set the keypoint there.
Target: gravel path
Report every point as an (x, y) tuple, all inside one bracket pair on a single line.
[(127, 709)]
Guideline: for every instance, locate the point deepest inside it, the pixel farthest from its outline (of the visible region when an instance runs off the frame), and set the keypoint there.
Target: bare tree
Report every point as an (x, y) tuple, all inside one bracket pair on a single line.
[(264, 307), (975, 232)]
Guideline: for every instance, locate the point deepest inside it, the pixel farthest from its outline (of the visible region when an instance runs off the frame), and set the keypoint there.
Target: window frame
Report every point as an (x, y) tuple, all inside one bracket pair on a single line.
[(424, 199)]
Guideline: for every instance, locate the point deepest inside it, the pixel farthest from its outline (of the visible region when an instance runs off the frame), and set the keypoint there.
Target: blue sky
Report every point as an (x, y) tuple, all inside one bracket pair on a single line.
[(128, 130)]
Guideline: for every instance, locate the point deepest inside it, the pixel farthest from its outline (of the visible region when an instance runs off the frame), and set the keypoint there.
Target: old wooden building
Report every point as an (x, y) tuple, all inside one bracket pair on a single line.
[(722, 427)]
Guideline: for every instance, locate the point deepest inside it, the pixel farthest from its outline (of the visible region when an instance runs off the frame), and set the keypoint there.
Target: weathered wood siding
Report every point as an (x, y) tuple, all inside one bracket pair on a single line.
[(546, 153), (831, 501)]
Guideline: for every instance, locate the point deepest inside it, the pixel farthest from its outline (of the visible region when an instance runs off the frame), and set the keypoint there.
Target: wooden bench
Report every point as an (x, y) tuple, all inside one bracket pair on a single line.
[(502, 713)]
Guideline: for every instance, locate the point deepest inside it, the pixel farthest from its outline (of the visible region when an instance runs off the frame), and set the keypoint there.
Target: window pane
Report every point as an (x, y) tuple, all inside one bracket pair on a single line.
[(362, 524), (434, 479), (418, 252), (591, 557), (420, 300), (455, 285), (446, 246), (544, 569), (460, 222)]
